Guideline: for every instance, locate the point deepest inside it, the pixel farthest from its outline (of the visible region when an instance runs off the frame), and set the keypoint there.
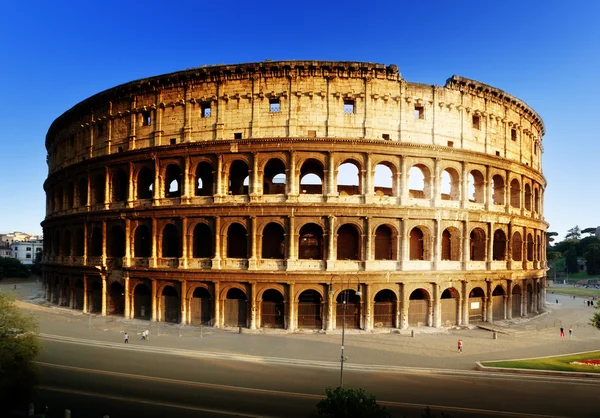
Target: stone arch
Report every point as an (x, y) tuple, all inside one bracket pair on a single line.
[(272, 309), (202, 241), (79, 294), (96, 242), (79, 243), (476, 304), (235, 308), (419, 243), (204, 179), (516, 297), (66, 243), (238, 173), (171, 241), (478, 244), (237, 241), (348, 309), (419, 182), (498, 190), (385, 243), (384, 179), (273, 241), (201, 305), (349, 181), (419, 308), (450, 184), (116, 299), (115, 246), (530, 305), (451, 244), (385, 309), (120, 185), (310, 242), (95, 296), (274, 177), (498, 298), (142, 242), (348, 242), (170, 304), (536, 200), (173, 183), (58, 199), (529, 247), (310, 309), (515, 193), (527, 197), (70, 195), (98, 186), (476, 187), (499, 249), (450, 306), (517, 247), (145, 183), (82, 191), (311, 170)]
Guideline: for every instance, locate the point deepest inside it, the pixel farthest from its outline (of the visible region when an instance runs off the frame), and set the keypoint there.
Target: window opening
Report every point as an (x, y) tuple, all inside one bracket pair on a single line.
[(419, 112), (205, 110), (476, 122), (348, 107), (146, 119), (385, 137), (274, 106), (312, 134), (237, 135), (173, 141), (513, 134), (450, 143)]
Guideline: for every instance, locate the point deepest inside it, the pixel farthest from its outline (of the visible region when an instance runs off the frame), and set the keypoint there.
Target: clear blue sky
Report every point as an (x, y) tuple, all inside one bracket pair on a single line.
[(547, 53)]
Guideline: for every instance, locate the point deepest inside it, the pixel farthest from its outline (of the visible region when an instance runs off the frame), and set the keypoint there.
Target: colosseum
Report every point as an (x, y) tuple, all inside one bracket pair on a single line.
[(297, 195)]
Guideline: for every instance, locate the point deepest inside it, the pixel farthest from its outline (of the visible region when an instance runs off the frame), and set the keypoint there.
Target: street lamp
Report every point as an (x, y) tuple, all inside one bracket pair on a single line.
[(344, 303)]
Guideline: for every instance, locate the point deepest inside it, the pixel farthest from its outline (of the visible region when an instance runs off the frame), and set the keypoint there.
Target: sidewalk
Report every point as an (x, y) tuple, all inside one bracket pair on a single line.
[(429, 348)]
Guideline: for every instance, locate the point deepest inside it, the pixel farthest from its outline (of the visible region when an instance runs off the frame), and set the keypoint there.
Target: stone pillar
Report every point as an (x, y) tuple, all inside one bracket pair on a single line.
[(291, 177), (128, 311), (217, 305), (331, 183), (509, 290), (437, 242), (187, 189), (404, 307), (369, 240), (128, 240), (154, 302), (490, 245), (85, 294), (107, 197), (157, 187), (253, 305), (153, 259), (184, 301), (465, 303), (403, 244), (489, 311), (331, 243), (103, 242), (292, 252), (368, 187), (253, 262), (219, 186), (104, 293), (488, 187), (403, 182), (330, 305), (256, 189), (293, 323), (435, 183), (184, 242), (437, 306), (131, 189), (216, 261), (535, 296), (464, 195), (85, 243), (507, 191), (466, 253), (368, 303)]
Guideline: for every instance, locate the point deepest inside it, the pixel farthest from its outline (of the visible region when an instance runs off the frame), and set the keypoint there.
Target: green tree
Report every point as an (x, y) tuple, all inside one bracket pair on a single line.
[(592, 259), (571, 260), (574, 233), (595, 321), (349, 403), (588, 231), (11, 267), (550, 237), (19, 347)]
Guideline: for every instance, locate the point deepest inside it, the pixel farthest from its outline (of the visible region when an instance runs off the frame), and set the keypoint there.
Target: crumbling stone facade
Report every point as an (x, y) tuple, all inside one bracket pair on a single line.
[(266, 195)]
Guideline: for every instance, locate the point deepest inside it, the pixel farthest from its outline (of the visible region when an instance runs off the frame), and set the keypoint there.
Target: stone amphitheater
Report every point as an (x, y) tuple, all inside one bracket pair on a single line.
[(297, 195)]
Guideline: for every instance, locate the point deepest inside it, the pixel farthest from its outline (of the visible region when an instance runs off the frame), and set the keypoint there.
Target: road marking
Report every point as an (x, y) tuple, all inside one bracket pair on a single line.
[(269, 392)]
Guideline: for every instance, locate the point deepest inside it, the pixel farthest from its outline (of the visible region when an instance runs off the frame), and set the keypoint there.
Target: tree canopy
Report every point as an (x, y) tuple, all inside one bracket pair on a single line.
[(19, 347), (11, 267), (348, 403)]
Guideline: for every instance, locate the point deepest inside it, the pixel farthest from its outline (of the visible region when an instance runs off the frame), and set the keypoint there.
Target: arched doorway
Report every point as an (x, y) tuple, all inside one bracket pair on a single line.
[(235, 308), (201, 307), (348, 307), (530, 307), (170, 305), (272, 309), (95, 297), (476, 299), (384, 309), (449, 306), (418, 308), (142, 302), (310, 310), (516, 301), (498, 303), (79, 294), (116, 299)]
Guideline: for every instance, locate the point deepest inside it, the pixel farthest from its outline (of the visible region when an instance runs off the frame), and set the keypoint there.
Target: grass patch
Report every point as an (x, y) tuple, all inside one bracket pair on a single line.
[(576, 291), (559, 363)]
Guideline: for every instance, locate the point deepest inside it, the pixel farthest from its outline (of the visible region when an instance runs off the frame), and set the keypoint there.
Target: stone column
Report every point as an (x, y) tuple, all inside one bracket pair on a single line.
[(184, 243), (127, 313), (128, 241), (85, 243), (368, 303), (403, 182), (255, 177), (219, 186), (85, 294), (216, 261), (103, 242), (131, 188), (331, 243), (435, 183), (293, 323), (402, 245), (368, 187), (437, 243), (404, 307), (154, 302), (104, 293), (509, 290), (437, 306), (330, 305), (253, 305), (507, 192), (187, 189), (464, 195), (217, 305), (156, 187), (253, 261), (488, 187), (107, 197), (331, 183), (369, 240), (184, 301), (535, 296), (465, 303), (466, 253), (291, 178), (291, 239), (490, 245), (153, 259), (489, 310)]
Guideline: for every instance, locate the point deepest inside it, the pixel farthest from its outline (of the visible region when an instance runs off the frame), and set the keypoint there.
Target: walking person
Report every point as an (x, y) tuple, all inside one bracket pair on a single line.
[(562, 332), (146, 334), (126, 338), (570, 332), (460, 345)]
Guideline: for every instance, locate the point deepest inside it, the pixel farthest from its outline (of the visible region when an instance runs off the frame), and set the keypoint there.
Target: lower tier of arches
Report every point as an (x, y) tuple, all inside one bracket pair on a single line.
[(341, 301)]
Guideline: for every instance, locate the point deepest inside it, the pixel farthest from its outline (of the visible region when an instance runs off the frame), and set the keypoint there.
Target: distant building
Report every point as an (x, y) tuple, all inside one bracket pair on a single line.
[(25, 251), (5, 251), (8, 239), (597, 234)]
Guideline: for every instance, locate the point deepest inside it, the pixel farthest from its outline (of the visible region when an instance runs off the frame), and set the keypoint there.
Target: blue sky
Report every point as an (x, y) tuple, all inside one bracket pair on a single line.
[(547, 53)]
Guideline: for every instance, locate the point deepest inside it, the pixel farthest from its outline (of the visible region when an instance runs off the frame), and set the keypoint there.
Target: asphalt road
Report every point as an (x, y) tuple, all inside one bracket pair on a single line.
[(126, 381)]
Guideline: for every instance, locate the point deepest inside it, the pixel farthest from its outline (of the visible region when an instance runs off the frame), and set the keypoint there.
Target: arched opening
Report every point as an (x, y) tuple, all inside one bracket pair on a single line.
[(235, 308), (273, 241), (384, 243), (530, 306), (476, 300), (237, 241), (310, 242), (237, 174), (79, 294), (348, 246), (142, 302), (82, 190), (528, 197), (348, 179), (517, 247), (272, 309), (516, 301), (515, 193), (498, 190), (498, 303), (499, 245), (203, 246), (311, 177), (418, 308), (476, 187), (70, 195), (120, 186), (310, 310), (95, 299), (142, 242), (173, 181), (449, 306), (450, 184), (66, 244), (478, 240), (384, 180), (96, 242), (79, 243), (419, 182), (204, 179), (201, 307), (58, 203), (347, 310), (56, 247), (170, 304), (145, 183), (116, 299), (274, 177), (536, 201), (171, 246), (116, 242), (417, 248), (451, 244), (529, 247), (385, 309), (98, 187)]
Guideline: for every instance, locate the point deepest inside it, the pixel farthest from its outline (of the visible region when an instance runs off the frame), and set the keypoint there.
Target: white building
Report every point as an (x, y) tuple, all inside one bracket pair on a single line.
[(25, 251)]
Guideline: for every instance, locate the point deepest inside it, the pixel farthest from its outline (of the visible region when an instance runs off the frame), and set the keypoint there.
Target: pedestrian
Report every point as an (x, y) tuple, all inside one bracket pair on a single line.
[(146, 334), (143, 335), (460, 345), (570, 332), (562, 332), (557, 301), (126, 338)]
